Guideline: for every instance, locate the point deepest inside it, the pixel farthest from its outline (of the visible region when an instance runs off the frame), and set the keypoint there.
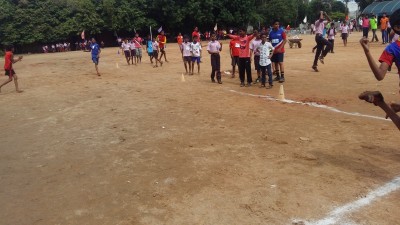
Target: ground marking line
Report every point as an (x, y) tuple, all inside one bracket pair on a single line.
[(313, 104), (338, 213)]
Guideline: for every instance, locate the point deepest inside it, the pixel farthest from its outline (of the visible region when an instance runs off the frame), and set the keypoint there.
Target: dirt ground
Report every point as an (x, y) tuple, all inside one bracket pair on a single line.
[(141, 145)]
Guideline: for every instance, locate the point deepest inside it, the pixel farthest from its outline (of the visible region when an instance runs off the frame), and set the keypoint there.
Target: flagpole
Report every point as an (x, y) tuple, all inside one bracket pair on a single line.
[(151, 35)]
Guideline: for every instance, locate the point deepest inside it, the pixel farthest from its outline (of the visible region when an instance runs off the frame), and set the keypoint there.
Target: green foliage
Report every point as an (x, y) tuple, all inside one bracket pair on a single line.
[(363, 3), (27, 22)]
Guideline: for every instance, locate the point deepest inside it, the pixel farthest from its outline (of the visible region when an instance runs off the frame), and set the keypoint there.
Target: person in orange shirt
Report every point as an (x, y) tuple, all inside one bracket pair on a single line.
[(234, 47), (162, 41), (384, 25), (179, 39), (8, 67)]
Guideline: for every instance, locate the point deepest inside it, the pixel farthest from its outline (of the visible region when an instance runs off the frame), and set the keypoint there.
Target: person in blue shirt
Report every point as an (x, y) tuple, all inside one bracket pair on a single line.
[(149, 47), (277, 36), (95, 50)]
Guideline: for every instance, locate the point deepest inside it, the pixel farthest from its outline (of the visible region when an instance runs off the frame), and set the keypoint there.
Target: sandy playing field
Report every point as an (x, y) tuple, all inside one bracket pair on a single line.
[(142, 145)]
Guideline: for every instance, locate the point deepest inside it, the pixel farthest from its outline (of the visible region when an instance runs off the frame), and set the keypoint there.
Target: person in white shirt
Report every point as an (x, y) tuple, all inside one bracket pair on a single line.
[(132, 49), (265, 50), (253, 46), (214, 48), (195, 49), (331, 35), (186, 54), (345, 33), (125, 46)]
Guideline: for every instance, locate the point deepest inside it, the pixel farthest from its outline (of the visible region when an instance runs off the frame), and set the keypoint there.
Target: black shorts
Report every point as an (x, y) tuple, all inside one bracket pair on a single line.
[(162, 50), (10, 72), (155, 54), (277, 57), (187, 58), (133, 52), (257, 62), (344, 36), (127, 54)]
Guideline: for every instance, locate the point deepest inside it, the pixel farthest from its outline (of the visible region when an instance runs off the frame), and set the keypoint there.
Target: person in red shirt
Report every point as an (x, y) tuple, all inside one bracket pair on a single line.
[(179, 39), (390, 55), (234, 47), (162, 41), (244, 55), (196, 33), (8, 67)]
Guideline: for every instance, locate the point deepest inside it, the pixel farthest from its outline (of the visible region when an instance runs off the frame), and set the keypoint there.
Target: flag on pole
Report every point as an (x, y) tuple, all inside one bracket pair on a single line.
[(305, 20), (83, 35), (216, 27), (151, 35), (159, 29)]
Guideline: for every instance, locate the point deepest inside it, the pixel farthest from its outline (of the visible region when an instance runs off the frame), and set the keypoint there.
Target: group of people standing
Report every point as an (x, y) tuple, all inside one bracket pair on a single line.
[(371, 24), (266, 49)]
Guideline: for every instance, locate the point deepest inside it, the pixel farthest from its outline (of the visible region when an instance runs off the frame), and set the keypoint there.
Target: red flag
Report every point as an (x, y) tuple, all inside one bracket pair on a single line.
[(83, 35)]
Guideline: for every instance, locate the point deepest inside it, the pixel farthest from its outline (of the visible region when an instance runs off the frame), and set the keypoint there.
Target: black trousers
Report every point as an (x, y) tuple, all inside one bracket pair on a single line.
[(245, 67), (332, 41), (215, 66), (323, 47)]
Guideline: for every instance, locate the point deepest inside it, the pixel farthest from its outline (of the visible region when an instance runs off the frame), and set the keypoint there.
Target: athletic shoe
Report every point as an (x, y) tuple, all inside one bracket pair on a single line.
[(256, 81), (219, 82), (315, 68), (213, 80), (249, 84), (277, 78), (282, 80), (242, 84)]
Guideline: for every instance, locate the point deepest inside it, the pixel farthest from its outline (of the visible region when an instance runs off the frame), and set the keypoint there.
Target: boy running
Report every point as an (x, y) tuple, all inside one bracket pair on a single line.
[(278, 40), (132, 50), (95, 50), (214, 48), (323, 45), (8, 67), (138, 47), (265, 50), (234, 46), (195, 49), (186, 54), (125, 46), (253, 50), (156, 47), (162, 41), (149, 48), (389, 56)]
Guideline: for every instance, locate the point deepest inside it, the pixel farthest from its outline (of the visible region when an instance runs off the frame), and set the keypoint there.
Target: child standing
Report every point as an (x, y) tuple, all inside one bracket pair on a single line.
[(195, 49), (265, 49), (162, 41), (132, 49), (186, 54), (253, 47), (234, 50), (214, 48), (390, 55), (331, 35), (8, 67)]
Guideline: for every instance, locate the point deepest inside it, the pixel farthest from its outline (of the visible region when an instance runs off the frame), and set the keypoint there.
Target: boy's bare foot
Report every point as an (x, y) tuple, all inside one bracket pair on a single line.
[(20, 91), (371, 96), (161, 63), (98, 74)]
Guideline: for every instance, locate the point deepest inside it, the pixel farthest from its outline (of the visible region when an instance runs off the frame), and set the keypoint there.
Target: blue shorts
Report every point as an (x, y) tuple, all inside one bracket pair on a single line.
[(95, 60), (196, 59), (277, 57)]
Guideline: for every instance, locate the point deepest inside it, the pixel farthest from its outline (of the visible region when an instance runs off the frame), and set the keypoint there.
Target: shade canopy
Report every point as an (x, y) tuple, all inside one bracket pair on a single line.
[(378, 8)]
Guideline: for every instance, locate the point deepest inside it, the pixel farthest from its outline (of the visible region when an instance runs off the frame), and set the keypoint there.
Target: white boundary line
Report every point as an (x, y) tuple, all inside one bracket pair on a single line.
[(338, 214), (313, 104)]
